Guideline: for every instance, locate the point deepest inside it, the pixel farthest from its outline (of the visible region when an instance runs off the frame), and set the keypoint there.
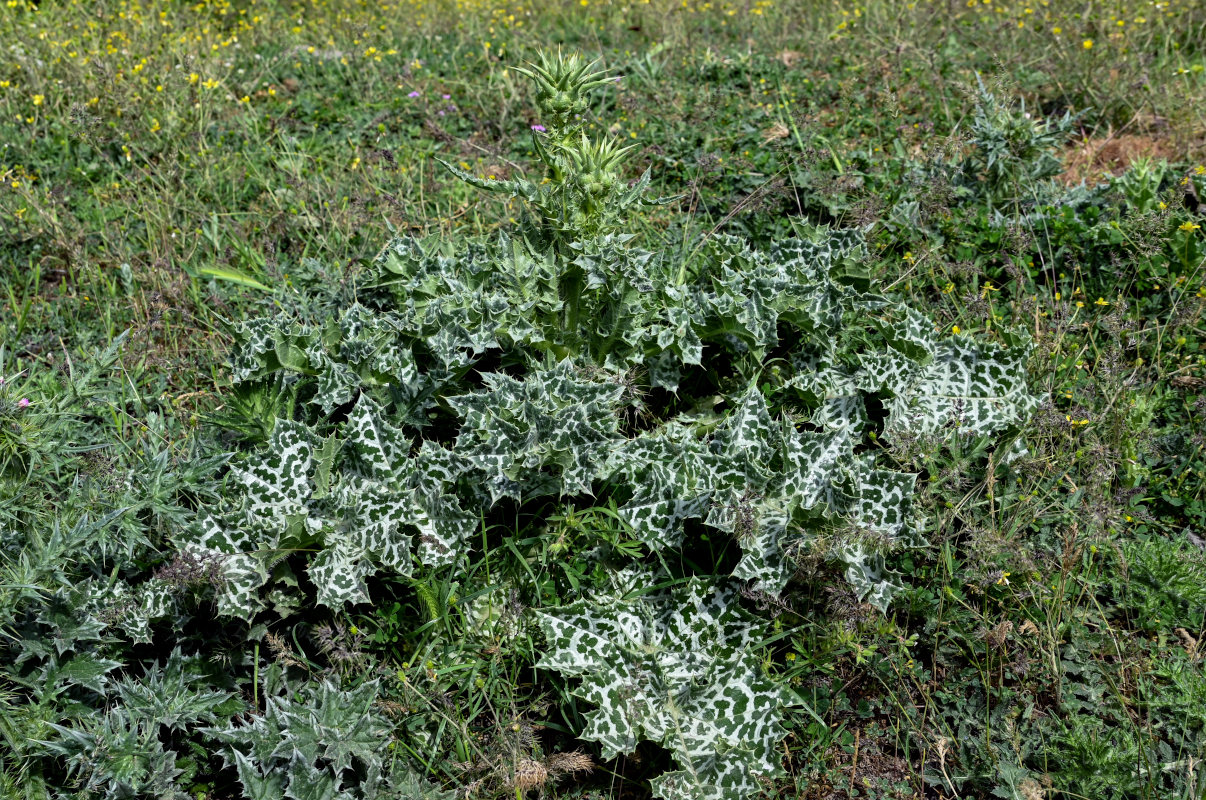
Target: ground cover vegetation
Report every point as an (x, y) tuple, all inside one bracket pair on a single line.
[(602, 400)]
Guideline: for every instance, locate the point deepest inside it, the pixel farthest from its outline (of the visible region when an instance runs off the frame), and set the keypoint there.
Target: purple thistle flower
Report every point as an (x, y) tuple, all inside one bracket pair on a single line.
[(539, 128), (415, 93), (447, 97), (23, 402)]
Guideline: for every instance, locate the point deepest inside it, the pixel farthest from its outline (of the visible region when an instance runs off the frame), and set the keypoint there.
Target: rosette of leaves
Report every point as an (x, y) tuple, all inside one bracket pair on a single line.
[(677, 667), (1012, 150), (744, 391), (521, 367), (1008, 163)]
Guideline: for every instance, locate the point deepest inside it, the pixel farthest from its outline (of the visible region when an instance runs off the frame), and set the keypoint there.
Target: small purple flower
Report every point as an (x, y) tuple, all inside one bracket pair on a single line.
[(23, 402), (447, 96), (415, 93), (539, 128)]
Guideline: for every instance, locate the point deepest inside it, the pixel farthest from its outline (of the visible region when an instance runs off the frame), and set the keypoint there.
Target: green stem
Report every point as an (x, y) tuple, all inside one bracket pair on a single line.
[(572, 296), (610, 341), (255, 680), (681, 278)]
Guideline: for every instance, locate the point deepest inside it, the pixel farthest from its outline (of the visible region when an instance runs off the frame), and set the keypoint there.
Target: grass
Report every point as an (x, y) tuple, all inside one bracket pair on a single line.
[(168, 169)]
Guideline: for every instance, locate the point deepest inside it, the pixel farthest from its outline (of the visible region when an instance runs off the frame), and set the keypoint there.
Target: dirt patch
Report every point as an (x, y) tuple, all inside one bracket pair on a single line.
[(1111, 155)]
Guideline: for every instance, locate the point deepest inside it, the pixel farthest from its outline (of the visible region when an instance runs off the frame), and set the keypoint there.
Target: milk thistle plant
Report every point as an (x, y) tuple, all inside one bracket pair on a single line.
[(738, 394)]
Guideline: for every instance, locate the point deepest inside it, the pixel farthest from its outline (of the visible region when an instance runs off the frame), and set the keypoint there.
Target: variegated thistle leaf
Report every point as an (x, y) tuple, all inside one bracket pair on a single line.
[(767, 484), (551, 431), (678, 474), (868, 574), (276, 482), (814, 474), (361, 497), (671, 473), (382, 448), (362, 348), (970, 387), (567, 321), (270, 500), (677, 667), (878, 510), (748, 439), (456, 305)]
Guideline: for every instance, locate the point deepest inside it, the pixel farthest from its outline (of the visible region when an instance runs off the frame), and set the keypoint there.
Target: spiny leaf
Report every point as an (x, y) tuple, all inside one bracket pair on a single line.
[(256, 785), (677, 668), (555, 420), (971, 387)]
